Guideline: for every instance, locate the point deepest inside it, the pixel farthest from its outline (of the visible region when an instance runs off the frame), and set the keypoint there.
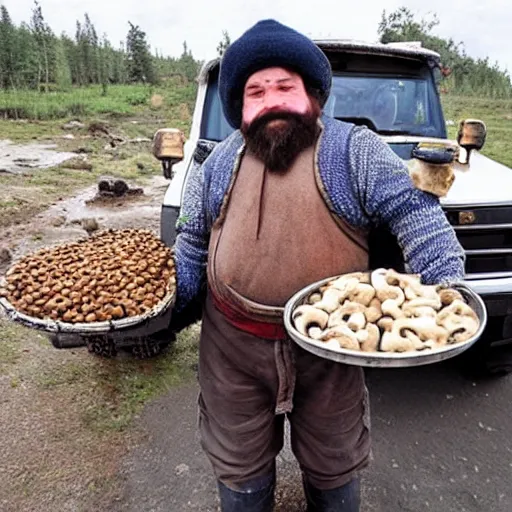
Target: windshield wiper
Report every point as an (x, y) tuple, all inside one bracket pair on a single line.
[(397, 132)]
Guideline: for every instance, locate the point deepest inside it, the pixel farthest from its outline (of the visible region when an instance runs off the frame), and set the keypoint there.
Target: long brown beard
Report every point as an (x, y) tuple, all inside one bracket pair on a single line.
[(278, 147)]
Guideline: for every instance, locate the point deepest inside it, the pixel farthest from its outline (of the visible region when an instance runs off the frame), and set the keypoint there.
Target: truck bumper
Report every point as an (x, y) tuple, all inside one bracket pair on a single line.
[(497, 295)]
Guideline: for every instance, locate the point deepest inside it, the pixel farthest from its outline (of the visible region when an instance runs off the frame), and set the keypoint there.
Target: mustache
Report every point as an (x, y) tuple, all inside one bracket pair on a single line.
[(261, 121)]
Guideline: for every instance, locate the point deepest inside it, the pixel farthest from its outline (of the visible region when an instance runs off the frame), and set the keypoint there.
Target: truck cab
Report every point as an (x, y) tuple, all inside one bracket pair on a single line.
[(391, 88)]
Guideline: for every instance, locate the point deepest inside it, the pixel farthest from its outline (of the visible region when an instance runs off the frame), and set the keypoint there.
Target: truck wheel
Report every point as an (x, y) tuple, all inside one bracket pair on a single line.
[(146, 348), (102, 347), (486, 360)]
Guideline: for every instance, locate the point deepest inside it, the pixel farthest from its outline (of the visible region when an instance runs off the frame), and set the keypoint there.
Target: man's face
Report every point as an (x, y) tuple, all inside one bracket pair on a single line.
[(279, 119), (274, 90)]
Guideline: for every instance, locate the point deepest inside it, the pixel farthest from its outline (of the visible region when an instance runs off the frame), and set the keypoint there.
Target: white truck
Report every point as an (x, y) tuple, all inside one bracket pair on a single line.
[(392, 89)]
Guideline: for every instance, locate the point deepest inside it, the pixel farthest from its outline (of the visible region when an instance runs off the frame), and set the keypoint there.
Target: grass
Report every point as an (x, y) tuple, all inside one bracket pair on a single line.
[(118, 388), (497, 115), (10, 351), (120, 100), (11, 348)]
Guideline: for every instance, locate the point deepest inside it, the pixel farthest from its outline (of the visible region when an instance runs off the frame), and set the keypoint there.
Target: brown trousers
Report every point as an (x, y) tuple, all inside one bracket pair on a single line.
[(249, 384)]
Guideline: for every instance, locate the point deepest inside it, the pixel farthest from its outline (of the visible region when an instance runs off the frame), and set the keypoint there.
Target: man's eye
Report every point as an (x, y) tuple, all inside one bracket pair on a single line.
[(255, 94), (285, 88)]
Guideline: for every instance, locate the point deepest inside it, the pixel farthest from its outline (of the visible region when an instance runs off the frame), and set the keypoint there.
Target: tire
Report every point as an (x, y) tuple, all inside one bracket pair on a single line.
[(485, 360)]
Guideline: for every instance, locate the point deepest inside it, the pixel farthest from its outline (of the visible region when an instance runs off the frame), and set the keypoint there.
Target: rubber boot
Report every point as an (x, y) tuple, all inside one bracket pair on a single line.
[(254, 496), (342, 499)]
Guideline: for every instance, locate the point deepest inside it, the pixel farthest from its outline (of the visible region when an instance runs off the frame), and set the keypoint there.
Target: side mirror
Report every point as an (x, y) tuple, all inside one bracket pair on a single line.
[(168, 148), (471, 135)]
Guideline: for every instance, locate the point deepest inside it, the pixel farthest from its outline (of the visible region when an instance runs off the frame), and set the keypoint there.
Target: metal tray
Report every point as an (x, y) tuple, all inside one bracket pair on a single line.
[(151, 321), (382, 359)]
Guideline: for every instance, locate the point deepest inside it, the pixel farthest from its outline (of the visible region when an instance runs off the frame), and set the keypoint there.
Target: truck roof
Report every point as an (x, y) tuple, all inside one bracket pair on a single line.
[(407, 49), (410, 49)]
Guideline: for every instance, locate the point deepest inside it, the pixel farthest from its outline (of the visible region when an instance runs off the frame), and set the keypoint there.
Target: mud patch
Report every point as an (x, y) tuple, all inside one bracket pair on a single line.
[(16, 158), (62, 222)]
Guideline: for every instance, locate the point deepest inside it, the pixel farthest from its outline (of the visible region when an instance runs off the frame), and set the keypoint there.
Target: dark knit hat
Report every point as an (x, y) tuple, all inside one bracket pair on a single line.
[(269, 44)]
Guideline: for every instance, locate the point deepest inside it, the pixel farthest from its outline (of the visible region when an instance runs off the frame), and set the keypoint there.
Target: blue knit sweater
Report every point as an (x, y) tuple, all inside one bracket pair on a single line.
[(367, 185)]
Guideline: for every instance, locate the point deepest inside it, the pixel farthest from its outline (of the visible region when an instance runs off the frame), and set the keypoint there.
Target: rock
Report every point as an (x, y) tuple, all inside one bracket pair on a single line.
[(90, 225), (98, 127), (83, 150), (138, 140), (68, 136), (78, 164), (181, 469), (58, 221), (73, 125), (5, 256), (137, 191), (120, 188)]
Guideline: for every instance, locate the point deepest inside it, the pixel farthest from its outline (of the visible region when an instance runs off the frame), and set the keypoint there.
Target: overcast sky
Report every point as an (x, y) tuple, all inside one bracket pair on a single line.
[(484, 26)]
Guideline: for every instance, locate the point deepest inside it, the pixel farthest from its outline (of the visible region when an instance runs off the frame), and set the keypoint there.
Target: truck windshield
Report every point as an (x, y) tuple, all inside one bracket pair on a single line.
[(387, 105)]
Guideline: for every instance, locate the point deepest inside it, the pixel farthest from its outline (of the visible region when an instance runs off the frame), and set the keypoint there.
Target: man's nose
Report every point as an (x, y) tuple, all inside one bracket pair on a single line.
[(273, 100)]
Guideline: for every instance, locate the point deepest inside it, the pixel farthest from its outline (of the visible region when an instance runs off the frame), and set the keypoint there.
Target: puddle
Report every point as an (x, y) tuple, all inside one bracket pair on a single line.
[(139, 211), (16, 158)]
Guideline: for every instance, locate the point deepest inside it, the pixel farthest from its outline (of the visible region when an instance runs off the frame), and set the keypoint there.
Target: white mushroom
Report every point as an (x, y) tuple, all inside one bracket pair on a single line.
[(385, 291), (385, 323), (315, 297), (418, 311), (359, 277), (459, 320), (306, 317), (331, 300), (425, 302), (363, 293), (356, 322), (343, 335), (448, 295), (457, 307), (371, 341), (390, 307), (392, 342), (343, 313), (424, 328), (374, 310)]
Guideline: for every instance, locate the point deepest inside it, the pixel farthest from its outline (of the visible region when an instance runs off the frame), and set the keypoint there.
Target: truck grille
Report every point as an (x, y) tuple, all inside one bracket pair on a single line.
[(485, 233)]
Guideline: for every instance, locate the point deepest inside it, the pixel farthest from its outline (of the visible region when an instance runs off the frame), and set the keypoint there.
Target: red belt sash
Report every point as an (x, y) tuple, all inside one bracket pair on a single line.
[(266, 330)]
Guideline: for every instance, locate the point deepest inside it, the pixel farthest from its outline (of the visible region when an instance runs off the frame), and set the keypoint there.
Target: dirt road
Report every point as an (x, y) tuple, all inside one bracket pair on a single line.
[(441, 443)]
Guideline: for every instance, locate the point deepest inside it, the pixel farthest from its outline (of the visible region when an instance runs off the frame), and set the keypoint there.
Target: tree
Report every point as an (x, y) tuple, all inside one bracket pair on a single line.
[(87, 52), (460, 72), (7, 49), (187, 65), (45, 44), (139, 59), (224, 43), (62, 70)]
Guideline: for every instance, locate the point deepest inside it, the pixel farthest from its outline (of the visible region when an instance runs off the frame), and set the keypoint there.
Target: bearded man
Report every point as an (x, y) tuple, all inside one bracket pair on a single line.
[(287, 200)]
